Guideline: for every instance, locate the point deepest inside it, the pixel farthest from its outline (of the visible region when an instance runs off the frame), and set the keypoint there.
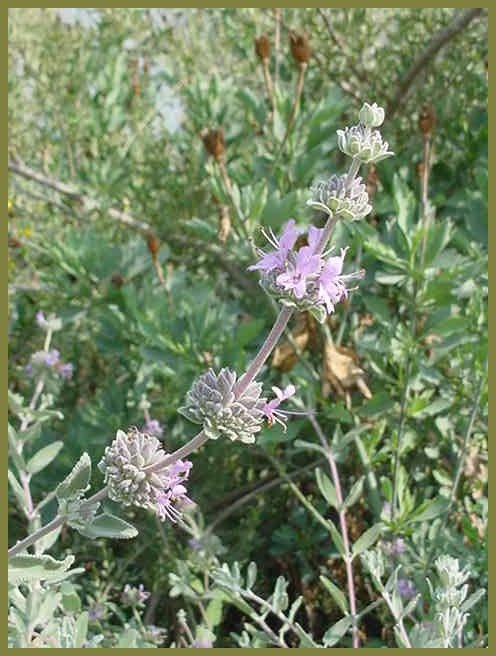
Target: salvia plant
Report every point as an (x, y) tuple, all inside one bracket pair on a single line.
[(302, 271)]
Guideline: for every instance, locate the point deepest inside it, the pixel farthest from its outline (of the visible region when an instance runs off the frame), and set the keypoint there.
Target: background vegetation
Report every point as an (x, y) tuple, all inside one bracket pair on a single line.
[(125, 226)]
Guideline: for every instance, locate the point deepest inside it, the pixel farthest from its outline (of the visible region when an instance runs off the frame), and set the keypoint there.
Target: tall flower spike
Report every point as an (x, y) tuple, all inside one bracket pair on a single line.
[(212, 402), (126, 468)]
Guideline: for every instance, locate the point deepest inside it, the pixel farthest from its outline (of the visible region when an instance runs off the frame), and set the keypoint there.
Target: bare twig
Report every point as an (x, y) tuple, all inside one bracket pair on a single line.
[(440, 39)]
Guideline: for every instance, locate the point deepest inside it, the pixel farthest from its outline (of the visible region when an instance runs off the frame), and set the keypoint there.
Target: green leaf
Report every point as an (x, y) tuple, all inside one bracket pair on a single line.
[(16, 488), (128, 639), (335, 593), (429, 510), (77, 482), (355, 493), (81, 629), (326, 488), (336, 632), (367, 539), (336, 537), (251, 575), (110, 526), (43, 457), (27, 568)]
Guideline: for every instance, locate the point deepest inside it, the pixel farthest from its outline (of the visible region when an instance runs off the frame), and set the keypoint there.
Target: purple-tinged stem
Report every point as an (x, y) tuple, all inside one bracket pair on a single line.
[(344, 529)]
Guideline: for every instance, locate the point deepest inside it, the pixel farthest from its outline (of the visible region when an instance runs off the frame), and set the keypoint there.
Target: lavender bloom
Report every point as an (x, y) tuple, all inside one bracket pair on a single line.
[(41, 320), (153, 427), (132, 596), (306, 279), (66, 370), (42, 359), (406, 588), (96, 612), (295, 277), (398, 546), (155, 633), (126, 466), (270, 408), (282, 246)]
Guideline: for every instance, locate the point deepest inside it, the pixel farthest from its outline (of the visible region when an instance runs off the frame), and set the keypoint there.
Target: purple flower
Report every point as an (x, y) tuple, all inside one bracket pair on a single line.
[(96, 612), (132, 596), (41, 320), (295, 277), (314, 236), (331, 287), (270, 408), (282, 246), (153, 427), (406, 588), (66, 370), (175, 494), (398, 546)]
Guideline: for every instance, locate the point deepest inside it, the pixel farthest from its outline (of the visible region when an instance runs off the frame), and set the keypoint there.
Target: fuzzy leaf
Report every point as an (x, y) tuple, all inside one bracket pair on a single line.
[(336, 632), (110, 526), (355, 494), (367, 539), (335, 593), (44, 457), (326, 488), (77, 482), (27, 568)]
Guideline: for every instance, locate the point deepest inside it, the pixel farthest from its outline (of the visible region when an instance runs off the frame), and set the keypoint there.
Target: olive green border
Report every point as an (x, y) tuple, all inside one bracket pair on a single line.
[(4, 315)]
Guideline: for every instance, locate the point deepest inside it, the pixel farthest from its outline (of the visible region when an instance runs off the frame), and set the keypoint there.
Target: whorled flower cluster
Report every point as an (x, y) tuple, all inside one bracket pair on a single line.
[(305, 278), (212, 401), (362, 142), (134, 478), (343, 198)]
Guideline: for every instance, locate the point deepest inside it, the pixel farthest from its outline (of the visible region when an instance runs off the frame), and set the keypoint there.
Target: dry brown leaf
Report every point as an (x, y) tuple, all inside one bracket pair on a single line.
[(304, 335), (341, 373)]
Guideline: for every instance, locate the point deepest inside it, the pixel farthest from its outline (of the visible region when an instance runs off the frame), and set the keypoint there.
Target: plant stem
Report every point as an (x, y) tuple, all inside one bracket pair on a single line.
[(268, 83), (57, 521), (344, 529), (297, 97)]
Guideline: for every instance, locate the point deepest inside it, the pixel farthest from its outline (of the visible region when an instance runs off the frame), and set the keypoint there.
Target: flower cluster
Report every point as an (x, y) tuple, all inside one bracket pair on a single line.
[(49, 360), (361, 141), (339, 196), (212, 402), (134, 478), (305, 278), (132, 596), (153, 427)]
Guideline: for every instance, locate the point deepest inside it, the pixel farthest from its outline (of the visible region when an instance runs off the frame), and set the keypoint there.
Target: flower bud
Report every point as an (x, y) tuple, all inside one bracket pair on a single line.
[(372, 116), (363, 143), (212, 402)]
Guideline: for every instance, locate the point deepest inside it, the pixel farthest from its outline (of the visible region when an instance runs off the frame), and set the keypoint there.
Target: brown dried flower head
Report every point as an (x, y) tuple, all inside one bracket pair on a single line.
[(426, 120), (300, 48), (263, 47), (153, 243), (213, 140)]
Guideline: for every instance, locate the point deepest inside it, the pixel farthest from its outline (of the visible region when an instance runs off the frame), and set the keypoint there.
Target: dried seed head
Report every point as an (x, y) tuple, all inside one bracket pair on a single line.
[(426, 120), (153, 243), (263, 47), (300, 48), (213, 140)]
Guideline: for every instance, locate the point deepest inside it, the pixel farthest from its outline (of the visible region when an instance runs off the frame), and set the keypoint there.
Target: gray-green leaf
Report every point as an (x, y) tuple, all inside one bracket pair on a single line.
[(77, 482), (43, 457)]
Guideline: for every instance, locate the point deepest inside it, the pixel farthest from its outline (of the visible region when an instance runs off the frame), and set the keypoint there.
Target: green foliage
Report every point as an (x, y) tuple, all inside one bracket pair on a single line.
[(114, 110)]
